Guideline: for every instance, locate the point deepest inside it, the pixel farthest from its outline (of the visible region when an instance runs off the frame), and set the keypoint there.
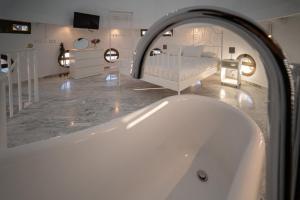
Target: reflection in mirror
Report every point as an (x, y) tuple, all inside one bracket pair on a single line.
[(248, 64), (111, 55), (81, 43), (4, 63), (155, 52)]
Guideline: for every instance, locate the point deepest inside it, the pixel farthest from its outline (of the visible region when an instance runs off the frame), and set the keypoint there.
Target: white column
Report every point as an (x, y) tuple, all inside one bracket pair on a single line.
[(35, 78), (10, 88), (179, 68), (28, 76), (3, 120), (18, 66), (168, 61)]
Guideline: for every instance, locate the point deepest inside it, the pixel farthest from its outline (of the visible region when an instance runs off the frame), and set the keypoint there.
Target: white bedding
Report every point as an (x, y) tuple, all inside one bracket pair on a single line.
[(191, 66)]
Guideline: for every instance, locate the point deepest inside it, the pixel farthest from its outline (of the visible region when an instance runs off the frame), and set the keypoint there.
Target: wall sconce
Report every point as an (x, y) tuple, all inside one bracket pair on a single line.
[(270, 30), (64, 57), (143, 32), (168, 33), (115, 33), (231, 51)]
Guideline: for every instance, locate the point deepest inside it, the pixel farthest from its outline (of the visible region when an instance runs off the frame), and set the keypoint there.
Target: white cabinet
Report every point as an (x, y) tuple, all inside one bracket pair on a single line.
[(85, 63)]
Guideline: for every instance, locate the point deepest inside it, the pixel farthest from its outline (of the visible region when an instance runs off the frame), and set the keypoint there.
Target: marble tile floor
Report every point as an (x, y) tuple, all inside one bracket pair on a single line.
[(68, 105)]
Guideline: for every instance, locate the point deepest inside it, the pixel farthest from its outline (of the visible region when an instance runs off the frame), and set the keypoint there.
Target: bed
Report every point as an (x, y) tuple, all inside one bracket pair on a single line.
[(181, 67)]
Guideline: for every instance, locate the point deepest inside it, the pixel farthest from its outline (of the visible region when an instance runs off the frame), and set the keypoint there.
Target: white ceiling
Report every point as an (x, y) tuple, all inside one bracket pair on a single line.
[(145, 11)]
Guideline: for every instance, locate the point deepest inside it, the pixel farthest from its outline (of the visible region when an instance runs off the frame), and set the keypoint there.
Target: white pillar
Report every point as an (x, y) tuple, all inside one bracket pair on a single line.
[(28, 76), (3, 120), (35, 78), (179, 69), (18, 66), (10, 87)]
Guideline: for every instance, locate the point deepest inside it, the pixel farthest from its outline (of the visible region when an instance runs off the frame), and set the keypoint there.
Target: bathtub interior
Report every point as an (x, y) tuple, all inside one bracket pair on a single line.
[(227, 152), (153, 153)]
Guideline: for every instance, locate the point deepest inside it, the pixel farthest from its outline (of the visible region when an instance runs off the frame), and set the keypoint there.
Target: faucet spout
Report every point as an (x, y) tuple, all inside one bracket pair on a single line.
[(281, 92)]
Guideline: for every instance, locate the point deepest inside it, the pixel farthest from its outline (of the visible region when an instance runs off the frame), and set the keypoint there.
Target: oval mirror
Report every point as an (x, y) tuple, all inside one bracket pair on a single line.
[(81, 43), (111, 55), (248, 64)]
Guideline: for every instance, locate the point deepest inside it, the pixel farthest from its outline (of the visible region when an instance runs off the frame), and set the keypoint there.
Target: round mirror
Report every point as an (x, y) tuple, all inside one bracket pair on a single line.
[(248, 64), (81, 43), (4, 63), (111, 55)]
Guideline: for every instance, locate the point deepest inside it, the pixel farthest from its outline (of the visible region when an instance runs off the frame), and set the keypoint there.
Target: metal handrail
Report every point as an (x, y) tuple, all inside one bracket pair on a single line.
[(7, 80)]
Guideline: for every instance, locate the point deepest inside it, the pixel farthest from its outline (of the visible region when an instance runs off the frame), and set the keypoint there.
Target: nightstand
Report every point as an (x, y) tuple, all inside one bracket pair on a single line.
[(230, 73)]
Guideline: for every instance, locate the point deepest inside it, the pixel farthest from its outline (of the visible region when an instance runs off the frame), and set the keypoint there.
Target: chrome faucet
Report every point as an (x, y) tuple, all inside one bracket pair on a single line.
[(280, 87)]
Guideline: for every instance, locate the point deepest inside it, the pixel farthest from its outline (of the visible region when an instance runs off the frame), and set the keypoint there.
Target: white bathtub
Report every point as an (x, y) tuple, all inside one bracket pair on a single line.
[(152, 154)]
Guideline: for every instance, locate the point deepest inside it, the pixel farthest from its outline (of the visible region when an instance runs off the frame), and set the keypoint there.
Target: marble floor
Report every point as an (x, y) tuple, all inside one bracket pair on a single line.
[(68, 105)]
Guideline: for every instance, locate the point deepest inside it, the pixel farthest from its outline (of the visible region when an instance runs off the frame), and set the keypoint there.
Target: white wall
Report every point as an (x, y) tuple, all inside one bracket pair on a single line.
[(184, 36), (46, 39), (242, 47), (286, 31), (146, 12)]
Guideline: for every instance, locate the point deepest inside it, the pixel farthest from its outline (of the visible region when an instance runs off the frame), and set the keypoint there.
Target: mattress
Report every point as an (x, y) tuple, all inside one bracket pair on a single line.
[(191, 67)]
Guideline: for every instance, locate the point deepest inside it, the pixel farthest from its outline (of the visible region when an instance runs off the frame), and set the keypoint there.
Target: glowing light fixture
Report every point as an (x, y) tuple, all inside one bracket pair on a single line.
[(168, 33), (64, 57), (143, 32)]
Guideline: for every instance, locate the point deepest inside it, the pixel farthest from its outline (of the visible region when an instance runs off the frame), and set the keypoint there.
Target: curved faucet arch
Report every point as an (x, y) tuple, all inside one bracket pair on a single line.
[(280, 89)]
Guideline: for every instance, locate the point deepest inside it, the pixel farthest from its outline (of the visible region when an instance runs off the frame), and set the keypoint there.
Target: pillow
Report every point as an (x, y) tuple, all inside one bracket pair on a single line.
[(209, 54), (191, 51)]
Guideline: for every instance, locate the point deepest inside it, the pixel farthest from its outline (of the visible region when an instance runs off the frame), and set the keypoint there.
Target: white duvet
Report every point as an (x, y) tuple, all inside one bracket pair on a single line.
[(191, 66)]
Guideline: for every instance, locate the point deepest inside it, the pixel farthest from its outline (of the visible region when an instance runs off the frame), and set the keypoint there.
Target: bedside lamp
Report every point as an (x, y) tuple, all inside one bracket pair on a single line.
[(231, 51)]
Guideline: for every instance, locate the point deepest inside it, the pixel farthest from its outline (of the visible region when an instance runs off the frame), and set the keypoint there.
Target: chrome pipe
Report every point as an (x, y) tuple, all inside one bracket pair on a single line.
[(280, 89)]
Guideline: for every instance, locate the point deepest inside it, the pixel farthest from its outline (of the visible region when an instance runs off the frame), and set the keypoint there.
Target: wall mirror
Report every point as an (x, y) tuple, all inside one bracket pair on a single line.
[(248, 64), (111, 55), (4, 63), (81, 43)]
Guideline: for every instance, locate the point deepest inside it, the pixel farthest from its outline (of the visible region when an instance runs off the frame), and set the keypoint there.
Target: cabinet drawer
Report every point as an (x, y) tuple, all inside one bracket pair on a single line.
[(230, 64)]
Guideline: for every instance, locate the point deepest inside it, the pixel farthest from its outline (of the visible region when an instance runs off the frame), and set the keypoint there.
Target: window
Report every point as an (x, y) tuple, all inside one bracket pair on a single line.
[(248, 64), (155, 52), (111, 55)]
